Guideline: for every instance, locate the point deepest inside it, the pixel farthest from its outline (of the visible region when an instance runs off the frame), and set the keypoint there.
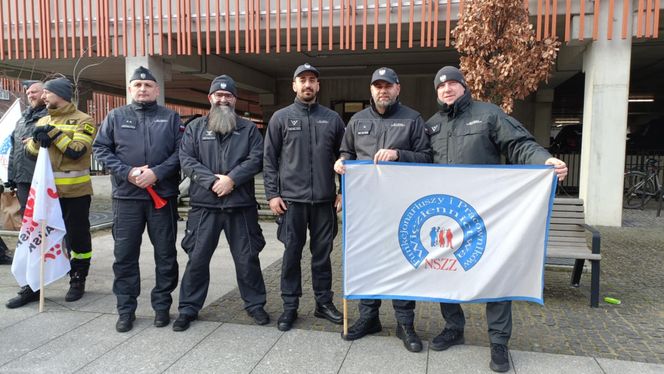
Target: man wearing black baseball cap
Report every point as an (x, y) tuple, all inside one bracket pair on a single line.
[(301, 142), (379, 133), (138, 143), (494, 132)]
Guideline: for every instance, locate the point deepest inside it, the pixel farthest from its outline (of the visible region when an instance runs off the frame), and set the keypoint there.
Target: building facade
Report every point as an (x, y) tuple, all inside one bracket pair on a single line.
[(611, 52)]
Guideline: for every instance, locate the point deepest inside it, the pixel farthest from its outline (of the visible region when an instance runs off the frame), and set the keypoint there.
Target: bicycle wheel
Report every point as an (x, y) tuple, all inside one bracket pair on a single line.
[(634, 182), (640, 189)]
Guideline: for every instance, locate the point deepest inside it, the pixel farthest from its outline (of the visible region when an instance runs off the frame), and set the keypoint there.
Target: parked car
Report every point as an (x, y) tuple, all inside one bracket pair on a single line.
[(568, 140)]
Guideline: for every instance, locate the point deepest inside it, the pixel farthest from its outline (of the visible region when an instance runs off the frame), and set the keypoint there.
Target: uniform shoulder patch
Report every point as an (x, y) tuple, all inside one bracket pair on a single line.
[(88, 128)]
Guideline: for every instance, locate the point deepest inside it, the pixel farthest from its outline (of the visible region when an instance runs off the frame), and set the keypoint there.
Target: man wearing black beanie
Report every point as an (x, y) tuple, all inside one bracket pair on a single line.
[(221, 153), (68, 134), (138, 143), (465, 131)]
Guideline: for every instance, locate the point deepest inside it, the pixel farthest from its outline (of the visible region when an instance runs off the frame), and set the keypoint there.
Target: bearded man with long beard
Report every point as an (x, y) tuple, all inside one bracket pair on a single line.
[(222, 153)]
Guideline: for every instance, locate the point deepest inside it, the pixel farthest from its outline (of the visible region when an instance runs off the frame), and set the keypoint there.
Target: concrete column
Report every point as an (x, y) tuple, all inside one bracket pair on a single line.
[(543, 105), (155, 65), (606, 64)]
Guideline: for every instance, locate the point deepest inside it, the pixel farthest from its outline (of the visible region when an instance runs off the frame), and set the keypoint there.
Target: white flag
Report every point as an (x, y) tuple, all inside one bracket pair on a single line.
[(7, 125), (446, 233), (42, 212)]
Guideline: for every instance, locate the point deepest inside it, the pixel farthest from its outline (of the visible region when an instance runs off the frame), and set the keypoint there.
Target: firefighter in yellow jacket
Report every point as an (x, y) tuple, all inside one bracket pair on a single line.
[(68, 134)]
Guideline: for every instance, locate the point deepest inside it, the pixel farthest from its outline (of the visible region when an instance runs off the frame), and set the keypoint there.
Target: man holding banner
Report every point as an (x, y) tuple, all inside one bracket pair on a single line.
[(470, 132), (385, 131), (138, 143), (68, 133)]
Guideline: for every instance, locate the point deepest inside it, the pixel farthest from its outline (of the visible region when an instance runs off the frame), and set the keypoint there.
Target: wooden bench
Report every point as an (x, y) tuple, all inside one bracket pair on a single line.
[(567, 239)]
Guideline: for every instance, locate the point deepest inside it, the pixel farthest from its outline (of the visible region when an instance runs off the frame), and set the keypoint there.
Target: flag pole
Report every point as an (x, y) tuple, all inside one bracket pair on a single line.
[(41, 265), (345, 302)]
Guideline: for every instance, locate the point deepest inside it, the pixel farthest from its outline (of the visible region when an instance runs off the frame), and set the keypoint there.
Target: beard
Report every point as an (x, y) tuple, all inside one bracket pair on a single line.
[(383, 104), (307, 96), (221, 119)]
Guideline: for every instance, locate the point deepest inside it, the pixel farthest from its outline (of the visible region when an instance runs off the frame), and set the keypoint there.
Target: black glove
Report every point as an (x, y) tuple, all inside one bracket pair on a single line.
[(42, 129), (39, 130), (43, 139), (11, 185)]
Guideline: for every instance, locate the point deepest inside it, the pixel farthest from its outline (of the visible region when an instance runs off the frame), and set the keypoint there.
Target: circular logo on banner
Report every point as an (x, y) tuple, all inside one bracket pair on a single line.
[(438, 226)]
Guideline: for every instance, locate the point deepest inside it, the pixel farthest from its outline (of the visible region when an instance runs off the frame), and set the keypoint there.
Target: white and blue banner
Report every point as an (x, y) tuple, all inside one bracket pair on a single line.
[(7, 125), (448, 233)]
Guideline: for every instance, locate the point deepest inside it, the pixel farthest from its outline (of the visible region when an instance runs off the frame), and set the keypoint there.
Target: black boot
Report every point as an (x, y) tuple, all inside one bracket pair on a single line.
[(409, 337), (25, 295), (76, 287), (362, 327)]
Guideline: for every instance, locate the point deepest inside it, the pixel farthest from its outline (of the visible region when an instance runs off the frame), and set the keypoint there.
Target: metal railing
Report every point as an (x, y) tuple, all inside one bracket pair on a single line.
[(31, 29)]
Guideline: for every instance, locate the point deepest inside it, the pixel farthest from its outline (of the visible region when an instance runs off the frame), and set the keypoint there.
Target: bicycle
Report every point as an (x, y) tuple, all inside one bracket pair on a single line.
[(642, 186)]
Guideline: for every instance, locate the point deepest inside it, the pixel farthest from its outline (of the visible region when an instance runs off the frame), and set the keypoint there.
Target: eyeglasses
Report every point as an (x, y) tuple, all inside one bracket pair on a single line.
[(223, 95)]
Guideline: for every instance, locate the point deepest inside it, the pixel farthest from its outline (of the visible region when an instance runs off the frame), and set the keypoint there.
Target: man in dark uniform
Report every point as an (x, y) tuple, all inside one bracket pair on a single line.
[(465, 131), (20, 167), (301, 144), (385, 131), (138, 143), (221, 154)]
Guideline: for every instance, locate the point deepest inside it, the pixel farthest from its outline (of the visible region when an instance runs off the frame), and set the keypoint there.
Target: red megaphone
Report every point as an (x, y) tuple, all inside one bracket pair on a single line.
[(158, 201)]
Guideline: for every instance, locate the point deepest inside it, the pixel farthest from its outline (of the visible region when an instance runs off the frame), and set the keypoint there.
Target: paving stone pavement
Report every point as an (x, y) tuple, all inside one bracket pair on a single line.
[(631, 270)]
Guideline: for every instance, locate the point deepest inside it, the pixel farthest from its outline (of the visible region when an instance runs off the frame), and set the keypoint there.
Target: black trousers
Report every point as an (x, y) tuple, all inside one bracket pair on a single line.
[(321, 219), (129, 220), (76, 214), (245, 239), (3, 248), (22, 193), (404, 310), (498, 317)]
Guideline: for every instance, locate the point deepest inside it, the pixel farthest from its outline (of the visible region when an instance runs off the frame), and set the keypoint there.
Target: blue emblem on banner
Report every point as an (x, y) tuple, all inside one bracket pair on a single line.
[(6, 145), (440, 220)]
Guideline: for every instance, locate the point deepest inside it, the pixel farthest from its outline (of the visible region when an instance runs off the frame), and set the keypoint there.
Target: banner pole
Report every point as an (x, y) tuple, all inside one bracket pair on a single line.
[(41, 265), (345, 302)]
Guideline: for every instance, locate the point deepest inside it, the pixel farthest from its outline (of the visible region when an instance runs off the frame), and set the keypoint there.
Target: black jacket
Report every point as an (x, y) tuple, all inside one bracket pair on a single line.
[(21, 167), (140, 134), (238, 155), (301, 145), (474, 132), (399, 128)]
